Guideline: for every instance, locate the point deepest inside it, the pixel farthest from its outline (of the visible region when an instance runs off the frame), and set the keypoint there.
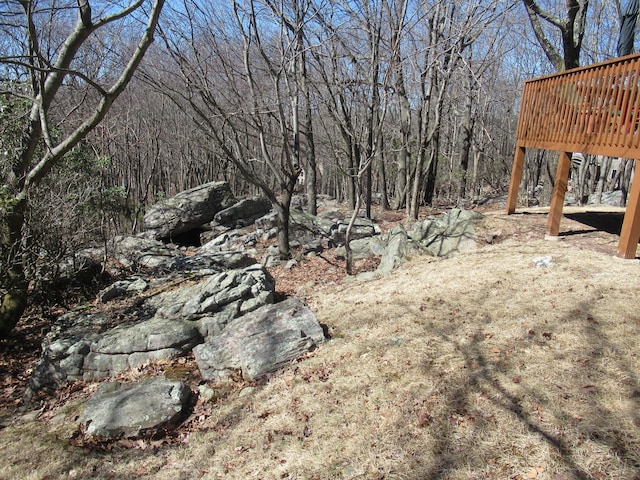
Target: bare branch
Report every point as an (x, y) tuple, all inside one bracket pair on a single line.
[(47, 162), (85, 13), (552, 53), (118, 15)]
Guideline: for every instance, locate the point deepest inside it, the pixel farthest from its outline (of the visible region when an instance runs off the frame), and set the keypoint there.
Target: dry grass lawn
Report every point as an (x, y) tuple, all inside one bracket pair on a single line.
[(479, 366)]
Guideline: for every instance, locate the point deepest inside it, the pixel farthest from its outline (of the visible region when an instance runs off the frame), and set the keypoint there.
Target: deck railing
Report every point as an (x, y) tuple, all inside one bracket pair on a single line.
[(595, 110)]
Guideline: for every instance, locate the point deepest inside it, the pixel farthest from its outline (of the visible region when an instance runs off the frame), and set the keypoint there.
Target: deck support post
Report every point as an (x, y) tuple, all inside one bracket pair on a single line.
[(593, 110), (516, 177), (630, 233), (559, 191)]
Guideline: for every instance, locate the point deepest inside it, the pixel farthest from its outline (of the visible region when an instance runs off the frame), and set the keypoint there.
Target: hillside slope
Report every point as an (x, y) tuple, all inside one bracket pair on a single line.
[(516, 360)]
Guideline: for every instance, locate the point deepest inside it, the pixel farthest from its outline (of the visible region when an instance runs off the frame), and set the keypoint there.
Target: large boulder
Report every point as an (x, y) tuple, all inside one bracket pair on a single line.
[(441, 236), (240, 290), (360, 248), (451, 233), (606, 198), (95, 344), (237, 240), (188, 210), (208, 262), (243, 212), (123, 288), (65, 347), (307, 229), (398, 245), (119, 410), (361, 228), (139, 252), (83, 347), (123, 348), (260, 342)]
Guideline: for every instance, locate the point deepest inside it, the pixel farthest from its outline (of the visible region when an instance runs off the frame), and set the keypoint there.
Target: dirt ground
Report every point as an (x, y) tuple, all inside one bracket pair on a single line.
[(517, 360)]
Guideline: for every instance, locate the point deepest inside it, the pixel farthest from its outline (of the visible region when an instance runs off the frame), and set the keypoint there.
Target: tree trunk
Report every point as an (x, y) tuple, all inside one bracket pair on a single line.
[(432, 172), (312, 167), (283, 210), (467, 135), (605, 166), (397, 20), (384, 200), (571, 28), (414, 206), (13, 285), (354, 152), (347, 237), (629, 166), (13, 301)]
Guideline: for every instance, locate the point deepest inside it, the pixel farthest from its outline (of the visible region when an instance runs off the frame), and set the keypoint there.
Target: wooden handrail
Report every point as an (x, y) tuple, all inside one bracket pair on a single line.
[(591, 110)]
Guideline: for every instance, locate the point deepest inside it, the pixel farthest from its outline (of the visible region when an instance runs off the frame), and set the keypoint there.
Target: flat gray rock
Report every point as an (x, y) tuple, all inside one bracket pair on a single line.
[(127, 347), (261, 341), (91, 347), (119, 410), (243, 211), (452, 233), (123, 288), (246, 289), (137, 251), (188, 210)]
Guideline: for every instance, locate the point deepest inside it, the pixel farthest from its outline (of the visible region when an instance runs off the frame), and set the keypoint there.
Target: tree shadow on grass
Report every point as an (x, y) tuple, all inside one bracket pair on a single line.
[(601, 425)]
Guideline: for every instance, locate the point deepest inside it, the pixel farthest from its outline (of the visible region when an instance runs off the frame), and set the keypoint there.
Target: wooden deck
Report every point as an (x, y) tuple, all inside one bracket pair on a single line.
[(591, 110)]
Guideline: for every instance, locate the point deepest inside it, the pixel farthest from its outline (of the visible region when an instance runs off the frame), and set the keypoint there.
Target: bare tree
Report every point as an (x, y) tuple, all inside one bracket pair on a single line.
[(397, 13), (295, 20), (49, 68), (571, 28), (240, 75), (451, 30), (336, 85)]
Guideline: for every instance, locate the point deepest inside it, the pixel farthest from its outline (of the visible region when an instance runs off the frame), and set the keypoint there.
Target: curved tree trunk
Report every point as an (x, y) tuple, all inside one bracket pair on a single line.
[(14, 285), (33, 163), (571, 28), (14, 300)]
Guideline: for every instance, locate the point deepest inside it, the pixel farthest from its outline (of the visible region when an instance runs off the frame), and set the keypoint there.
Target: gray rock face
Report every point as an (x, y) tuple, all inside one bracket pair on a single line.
[(440, 236), (209, 262), (229, 241), (123, 288), (86, 346), (361, 248), (261, 341), (84, 264), (606, 198), (306, 227), (136, 252), (244, 211), (81, 353), (65, 347), (362, 228), (123, 348), (310, 223), (188, 210), (398, 245), (241, 291), (119, 410), (454, 232)]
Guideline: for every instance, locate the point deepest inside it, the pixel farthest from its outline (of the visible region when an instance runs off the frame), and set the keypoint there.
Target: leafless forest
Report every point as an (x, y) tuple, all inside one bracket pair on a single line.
[(402, 103)]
